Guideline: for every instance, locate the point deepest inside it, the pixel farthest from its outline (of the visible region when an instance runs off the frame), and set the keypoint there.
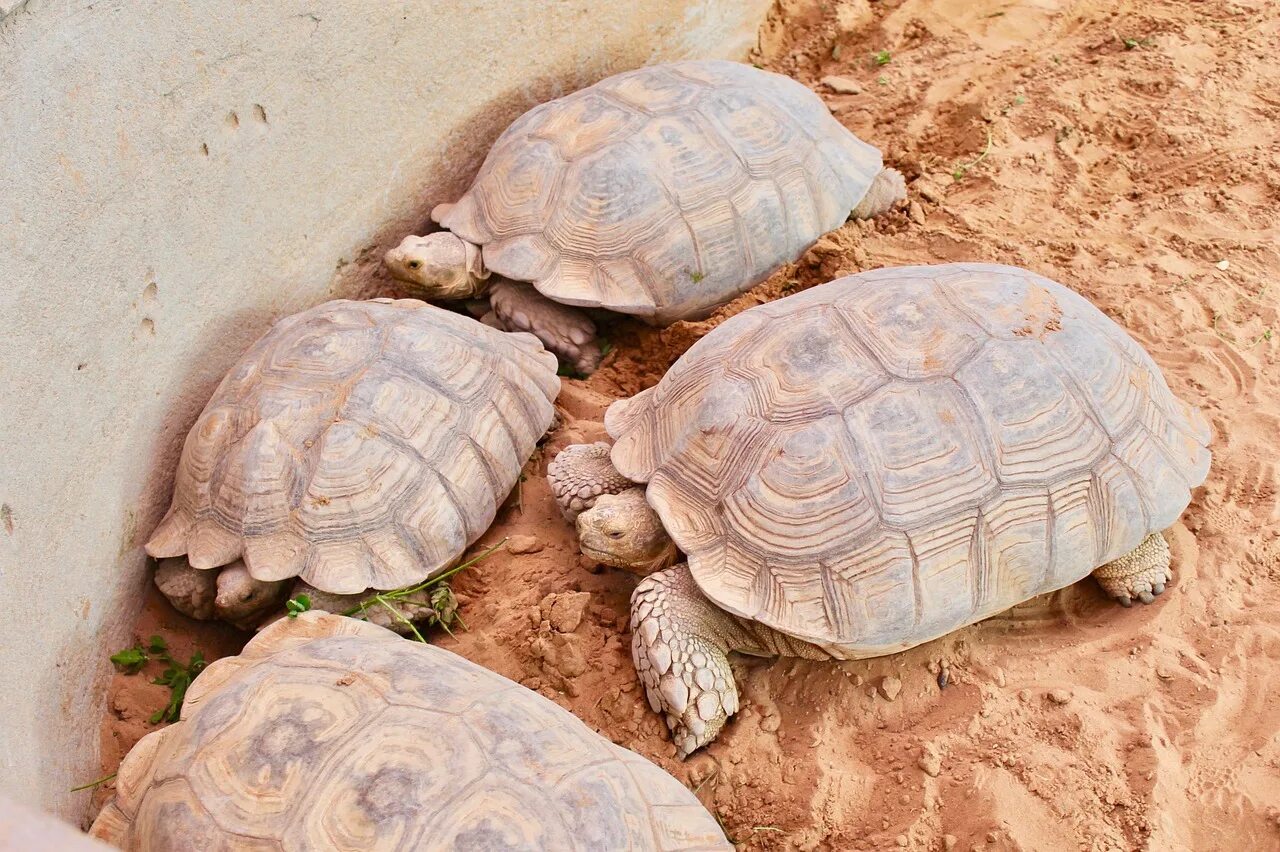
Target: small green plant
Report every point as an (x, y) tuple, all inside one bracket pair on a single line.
[(296, 606), (606, 345), (882, 80), (177, 676), (520, 492), (440, 599), (962, 169), (696, 276), (1135, 43), (567, 372), (1018, 100), (882, 57)]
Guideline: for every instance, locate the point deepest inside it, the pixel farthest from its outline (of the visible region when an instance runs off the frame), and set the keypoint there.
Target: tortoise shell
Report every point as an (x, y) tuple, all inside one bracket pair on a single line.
[(664, 191), (880, 460), (332, 733), (359, 445)]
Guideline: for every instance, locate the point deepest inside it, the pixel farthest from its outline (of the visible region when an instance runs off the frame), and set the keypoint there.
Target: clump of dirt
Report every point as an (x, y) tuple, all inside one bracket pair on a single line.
[(1127, 150)]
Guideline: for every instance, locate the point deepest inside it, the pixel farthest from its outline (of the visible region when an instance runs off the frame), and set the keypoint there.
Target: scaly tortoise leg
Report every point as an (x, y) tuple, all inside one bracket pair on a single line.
[(582, 472), (680, 642), (1141, 573), (566, 331)]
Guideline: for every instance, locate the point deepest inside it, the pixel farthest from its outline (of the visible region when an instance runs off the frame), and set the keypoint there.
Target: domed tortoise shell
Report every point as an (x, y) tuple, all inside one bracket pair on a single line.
[(331, 733), (359, 445), (877, 461), (664, 191)]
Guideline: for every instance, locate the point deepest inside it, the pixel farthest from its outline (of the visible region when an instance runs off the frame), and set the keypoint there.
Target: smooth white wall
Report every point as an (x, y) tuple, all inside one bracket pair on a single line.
[(175, 176)]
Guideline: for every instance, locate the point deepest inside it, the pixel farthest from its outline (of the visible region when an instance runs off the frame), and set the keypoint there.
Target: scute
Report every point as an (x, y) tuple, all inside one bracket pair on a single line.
[(374, 474), (879, 460), (315, 740), (684, 184)]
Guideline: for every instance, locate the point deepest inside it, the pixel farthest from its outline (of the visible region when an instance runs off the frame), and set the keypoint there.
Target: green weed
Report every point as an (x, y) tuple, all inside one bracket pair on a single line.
[(177, 676), (103, 780), (440, 599), (295, 606), (962, 169)]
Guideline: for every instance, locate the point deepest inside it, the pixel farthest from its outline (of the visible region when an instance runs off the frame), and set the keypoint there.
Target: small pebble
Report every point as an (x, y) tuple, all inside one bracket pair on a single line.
[(771, 723), (890, 687), (1224, 265), (1162, 672), (901, 840), (915, 212), (1059, 696), (523, 544), (842, 85), (949, 841), (931, 764)]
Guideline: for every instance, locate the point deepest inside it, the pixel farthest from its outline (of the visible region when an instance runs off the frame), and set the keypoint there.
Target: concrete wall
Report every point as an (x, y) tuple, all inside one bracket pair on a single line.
[(173, 177)]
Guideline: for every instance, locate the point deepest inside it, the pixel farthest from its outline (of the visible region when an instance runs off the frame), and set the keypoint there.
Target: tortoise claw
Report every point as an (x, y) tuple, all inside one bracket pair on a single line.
[(1146, 597), (1125, 601), (1157, 589)]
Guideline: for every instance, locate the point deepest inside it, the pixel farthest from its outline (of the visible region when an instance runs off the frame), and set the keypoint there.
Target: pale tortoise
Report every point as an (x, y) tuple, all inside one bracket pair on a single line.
[(355, 446), (660, 192), (872, 463), (331, 733)]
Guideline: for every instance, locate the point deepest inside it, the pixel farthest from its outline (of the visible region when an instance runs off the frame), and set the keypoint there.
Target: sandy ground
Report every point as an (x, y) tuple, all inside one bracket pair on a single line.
[(1128, 150)]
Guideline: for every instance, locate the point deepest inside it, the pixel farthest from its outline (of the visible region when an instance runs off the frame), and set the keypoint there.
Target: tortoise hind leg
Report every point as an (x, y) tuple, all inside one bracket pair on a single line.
[(1141, 573)]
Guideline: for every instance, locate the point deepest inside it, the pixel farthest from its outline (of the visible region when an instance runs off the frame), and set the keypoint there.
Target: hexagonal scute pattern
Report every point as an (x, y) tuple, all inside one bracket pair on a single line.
[(359, 445), (665, 191), (329, 733), (880, 460)]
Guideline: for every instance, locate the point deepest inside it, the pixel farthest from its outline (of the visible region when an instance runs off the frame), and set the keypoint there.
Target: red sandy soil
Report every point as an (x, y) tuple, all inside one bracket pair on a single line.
[(1146, 175)]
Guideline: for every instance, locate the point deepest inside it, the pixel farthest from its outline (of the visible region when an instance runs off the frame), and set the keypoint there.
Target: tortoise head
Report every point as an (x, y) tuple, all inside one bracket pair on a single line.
[(242, 599), (439, 266), (622, 530)]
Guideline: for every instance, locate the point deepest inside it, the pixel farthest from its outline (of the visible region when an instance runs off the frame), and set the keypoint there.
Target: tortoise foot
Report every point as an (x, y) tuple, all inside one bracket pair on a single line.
[(1140, 575), (582, 472), (679, 652), (564, 330)]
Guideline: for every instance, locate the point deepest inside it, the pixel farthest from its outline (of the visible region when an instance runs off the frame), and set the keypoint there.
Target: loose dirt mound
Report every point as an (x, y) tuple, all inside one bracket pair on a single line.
[(1129, 151)]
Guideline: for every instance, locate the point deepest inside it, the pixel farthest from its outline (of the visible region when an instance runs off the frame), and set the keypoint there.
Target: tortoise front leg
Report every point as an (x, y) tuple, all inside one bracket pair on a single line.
[(1141, 573), (582, 472), (680, 642), (564, 330)]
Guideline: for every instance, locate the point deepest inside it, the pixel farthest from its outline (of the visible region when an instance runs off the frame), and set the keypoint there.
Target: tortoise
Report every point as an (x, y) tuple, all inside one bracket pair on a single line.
[(356, 445), (660, 192), (332, 733), (870, 464)]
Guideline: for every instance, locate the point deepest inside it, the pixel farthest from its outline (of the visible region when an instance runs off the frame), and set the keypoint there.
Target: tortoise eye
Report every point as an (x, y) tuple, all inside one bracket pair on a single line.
[(415, 264)]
